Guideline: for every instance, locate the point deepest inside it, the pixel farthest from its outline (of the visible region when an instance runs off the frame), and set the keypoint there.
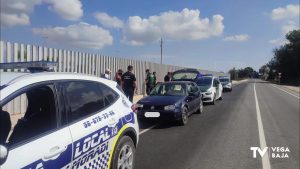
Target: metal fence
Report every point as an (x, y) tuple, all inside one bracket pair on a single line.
[(79, 62), (86, 63)]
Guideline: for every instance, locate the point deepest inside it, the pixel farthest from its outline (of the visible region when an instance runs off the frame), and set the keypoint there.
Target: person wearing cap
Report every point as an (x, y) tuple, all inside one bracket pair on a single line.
[(129, 83), (106, 75)]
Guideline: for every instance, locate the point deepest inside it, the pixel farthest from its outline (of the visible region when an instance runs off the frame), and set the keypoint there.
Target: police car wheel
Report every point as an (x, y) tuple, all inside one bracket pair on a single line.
[(184, 117), (214, 100), (124, 155)]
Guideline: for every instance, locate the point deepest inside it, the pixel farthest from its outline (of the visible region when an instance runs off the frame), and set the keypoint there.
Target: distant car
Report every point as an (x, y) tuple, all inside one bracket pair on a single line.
[(211, 88), (186, 75), (171, 100), (65, 120), (226, 83)]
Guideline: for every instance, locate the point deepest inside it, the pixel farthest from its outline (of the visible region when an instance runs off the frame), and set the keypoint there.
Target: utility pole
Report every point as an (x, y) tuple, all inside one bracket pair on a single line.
[(161, 46)]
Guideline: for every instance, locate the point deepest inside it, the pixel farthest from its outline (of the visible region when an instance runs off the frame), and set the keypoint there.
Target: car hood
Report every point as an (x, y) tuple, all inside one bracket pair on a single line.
[(204, 88), (160, 100)]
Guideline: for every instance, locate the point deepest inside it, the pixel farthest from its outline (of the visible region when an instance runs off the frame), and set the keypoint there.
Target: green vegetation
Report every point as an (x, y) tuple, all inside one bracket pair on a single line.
[(286, 61), (237, 74)]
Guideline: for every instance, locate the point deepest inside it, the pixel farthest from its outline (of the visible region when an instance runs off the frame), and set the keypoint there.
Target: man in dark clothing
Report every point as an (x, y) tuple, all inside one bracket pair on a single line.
[(129, 83), (154, 74), (167, 78), (118, 76)]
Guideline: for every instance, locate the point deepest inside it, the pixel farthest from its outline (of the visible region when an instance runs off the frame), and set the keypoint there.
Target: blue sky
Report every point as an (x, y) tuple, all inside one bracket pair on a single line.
[(210, 34)]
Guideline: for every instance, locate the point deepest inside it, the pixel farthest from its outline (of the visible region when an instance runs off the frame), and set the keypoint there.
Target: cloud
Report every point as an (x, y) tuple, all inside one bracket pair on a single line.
[(9, 20), (82, 35), (237, 38), (288, 18), (67, 9), (289, 12), (172, 25), (16, 12), (108, 21), (289, 27), (279, 41)]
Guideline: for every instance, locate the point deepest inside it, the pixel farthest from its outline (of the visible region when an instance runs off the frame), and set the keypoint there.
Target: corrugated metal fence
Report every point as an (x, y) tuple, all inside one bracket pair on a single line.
[(86, 63), (79, 62)]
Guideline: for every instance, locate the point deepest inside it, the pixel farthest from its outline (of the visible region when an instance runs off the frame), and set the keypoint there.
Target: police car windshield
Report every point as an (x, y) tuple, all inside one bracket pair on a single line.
[(184, 75), (204, 81), (224, 80), (169, 89)]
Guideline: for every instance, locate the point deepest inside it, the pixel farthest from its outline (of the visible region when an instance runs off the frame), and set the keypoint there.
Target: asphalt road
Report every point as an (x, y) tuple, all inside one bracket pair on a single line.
[(221, 137)]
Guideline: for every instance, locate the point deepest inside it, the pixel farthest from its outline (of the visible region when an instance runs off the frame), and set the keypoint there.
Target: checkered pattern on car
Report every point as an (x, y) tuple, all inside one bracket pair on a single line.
[(100, 162)]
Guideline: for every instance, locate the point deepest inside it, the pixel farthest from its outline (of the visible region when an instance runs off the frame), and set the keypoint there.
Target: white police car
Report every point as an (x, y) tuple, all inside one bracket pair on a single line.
[(65, 120), (211, 88)]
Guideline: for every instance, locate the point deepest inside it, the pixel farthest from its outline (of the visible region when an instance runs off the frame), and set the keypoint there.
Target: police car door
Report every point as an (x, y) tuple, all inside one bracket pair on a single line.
[(90, 122), (35, 139)]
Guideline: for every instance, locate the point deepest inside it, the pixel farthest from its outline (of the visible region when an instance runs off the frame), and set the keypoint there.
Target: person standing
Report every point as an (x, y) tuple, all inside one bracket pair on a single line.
[(118, 76), (106, 75), (167, 78), (154, 74), (129, 83), (149, 81)]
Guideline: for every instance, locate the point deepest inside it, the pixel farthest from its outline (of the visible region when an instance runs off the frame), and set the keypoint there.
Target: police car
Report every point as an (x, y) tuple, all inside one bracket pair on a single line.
[(65, 120), (211, 88)]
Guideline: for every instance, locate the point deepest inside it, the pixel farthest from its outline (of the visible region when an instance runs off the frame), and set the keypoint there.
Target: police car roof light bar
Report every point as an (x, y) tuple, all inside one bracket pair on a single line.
[(33, 66)]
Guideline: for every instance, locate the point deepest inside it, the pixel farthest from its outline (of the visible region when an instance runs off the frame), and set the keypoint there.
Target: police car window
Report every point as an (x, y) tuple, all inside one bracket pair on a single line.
[(28, 115), (84, 98), (110, 95)]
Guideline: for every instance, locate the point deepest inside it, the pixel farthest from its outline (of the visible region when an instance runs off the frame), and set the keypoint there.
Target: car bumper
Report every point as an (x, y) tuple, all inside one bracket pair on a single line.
[(207, 97), (166, 115), (227, 87)]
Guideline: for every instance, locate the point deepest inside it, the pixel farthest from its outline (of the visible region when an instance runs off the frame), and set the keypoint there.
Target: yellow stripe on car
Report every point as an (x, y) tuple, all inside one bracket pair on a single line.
[(114, 144)]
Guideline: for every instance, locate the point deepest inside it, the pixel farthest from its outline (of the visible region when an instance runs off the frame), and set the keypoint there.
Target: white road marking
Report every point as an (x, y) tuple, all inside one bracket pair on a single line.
[(262, 139), (286, 92), (147, 129)]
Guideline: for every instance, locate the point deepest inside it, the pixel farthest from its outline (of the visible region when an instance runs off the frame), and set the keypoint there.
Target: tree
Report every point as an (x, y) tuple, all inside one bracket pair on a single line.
[(286, 59)]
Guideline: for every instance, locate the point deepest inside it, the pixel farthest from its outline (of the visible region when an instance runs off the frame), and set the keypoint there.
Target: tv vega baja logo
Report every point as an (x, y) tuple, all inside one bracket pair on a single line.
[(274, 152)]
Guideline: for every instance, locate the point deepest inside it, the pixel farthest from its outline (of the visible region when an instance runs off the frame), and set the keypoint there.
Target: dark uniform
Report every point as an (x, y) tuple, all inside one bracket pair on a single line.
[(167, 78), (129, 79)]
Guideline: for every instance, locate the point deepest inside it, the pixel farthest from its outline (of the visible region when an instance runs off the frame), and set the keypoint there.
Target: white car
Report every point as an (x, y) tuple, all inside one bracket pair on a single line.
[(226, 83), (211, 88), (65, 120)]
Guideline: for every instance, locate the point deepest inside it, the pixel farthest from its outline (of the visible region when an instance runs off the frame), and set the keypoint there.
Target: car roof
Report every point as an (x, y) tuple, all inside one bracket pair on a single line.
[(8, 78), (187, 70), (177, 82)]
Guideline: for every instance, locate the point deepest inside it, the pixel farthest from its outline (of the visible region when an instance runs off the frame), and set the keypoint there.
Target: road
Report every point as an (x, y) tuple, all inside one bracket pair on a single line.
[(221, 137)]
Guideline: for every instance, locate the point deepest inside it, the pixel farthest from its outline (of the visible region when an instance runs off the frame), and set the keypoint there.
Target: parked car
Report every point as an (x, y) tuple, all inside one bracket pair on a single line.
[(65, 120), (226, 83), (175, 100), (211, 88)]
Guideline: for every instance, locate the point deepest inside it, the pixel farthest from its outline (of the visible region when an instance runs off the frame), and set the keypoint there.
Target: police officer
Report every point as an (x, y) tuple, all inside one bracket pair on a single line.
[(129, 83)]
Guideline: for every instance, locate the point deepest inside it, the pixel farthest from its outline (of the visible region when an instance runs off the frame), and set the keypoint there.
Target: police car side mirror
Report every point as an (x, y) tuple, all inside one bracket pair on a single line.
[(3, 154)]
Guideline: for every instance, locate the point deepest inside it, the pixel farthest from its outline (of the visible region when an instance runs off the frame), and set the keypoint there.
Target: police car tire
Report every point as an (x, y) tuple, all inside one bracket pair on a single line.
[(125, 140), (214, 100)]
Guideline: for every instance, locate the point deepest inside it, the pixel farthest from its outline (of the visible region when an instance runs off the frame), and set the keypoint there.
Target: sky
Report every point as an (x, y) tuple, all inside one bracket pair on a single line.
[(205, 34)]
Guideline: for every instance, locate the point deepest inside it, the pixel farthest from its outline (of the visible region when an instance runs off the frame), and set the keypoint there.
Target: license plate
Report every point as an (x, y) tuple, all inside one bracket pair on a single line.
[(152, 114)]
